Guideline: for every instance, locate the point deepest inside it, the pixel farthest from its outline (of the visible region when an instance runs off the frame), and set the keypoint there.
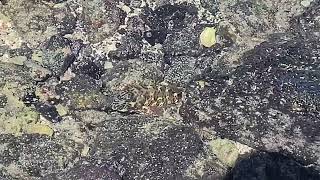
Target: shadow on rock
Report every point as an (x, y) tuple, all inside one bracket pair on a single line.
[(271, 166)]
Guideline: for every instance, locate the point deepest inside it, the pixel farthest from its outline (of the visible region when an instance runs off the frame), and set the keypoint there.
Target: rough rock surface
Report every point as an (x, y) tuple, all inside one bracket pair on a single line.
[(123, 89)]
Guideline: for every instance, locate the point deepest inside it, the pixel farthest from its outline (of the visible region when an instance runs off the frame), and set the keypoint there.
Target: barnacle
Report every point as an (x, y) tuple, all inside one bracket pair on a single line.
[(208, 37)]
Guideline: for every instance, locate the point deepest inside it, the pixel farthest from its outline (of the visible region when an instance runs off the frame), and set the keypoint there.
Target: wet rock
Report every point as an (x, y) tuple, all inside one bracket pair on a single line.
[(270, 102), (266, 166)]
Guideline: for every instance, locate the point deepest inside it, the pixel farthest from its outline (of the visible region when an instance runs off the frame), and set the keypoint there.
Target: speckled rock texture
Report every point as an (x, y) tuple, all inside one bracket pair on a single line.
[(124, 89)]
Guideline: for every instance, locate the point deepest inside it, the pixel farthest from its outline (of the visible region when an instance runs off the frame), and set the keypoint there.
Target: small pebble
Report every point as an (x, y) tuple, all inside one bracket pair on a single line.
[(208, 37), (306, 3)]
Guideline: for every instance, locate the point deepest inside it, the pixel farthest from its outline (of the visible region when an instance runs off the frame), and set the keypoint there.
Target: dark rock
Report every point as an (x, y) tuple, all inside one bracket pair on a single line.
[(183, 42), (210, 5), (9, 154), (165, 156), (166, 19), (100, 19), (55, 1), (4, 2), (30, 98), (93, 70), (49, 112), (57, 54), (308, 23), (24, 50), (270, 102), (4, 176), (82, 92), (88, 171), (266, 166), (155, 36), (136, 25), (129, 48), (87, 63), (36, 155), (3, 100), (18, 76), (65, 20), (181, 70), (118, 70)]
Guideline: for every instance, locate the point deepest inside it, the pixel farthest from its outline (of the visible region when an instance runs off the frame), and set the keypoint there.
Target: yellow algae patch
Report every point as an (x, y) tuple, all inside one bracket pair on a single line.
[(14, 104), (37, 56), (8, 36), (225, 150), (25, 122), (17, 60), (62, 110), (208, 37), (85, 151), (17, 119), (38, 129), (14, 124)]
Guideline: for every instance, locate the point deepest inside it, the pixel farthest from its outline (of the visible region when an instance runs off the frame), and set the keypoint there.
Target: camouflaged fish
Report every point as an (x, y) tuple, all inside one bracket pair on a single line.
[(153, 100)]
